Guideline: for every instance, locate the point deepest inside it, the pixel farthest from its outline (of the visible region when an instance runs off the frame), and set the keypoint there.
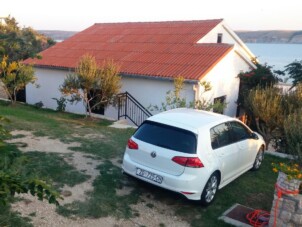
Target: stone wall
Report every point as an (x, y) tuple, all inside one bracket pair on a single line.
[(287, 208)]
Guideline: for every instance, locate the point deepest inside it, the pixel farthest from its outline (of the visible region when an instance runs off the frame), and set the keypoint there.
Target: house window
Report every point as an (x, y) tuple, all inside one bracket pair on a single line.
[(219, 108), (219, 38)]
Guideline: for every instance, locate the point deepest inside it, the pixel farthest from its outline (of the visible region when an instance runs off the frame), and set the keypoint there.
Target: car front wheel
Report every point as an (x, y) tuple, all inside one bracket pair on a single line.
[(258, 159), (209, 191)]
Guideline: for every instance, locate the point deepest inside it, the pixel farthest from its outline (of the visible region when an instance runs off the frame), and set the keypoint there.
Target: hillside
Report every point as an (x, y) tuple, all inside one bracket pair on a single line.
[(270, 36), (57, 35)]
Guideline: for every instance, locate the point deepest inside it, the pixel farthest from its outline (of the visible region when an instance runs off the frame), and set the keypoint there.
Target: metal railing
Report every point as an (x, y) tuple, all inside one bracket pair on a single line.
[(130, 108)]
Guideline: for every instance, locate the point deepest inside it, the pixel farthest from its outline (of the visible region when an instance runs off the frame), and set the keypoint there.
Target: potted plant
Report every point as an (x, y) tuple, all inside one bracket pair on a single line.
[(290, 176)]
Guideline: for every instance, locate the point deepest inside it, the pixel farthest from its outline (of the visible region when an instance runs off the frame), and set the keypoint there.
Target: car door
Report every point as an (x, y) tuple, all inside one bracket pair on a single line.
[(245, 145), (225, 150)]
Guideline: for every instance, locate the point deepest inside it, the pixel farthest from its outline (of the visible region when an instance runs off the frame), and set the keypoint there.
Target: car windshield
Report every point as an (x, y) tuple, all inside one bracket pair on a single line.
[(165, 136)]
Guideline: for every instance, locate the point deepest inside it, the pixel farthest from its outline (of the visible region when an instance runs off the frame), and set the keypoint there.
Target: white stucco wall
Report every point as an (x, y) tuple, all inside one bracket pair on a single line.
[(229, 37), (146, 91), (211, 37), (224, 81), (149, 92), (49, 81)]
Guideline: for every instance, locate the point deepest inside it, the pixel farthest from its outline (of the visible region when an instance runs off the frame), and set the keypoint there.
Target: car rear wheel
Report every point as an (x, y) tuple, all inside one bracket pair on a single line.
[(209, 191), (258, 159)]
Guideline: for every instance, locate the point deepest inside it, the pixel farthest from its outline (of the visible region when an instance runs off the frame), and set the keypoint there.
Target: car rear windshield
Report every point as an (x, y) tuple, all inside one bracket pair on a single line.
[(166, 136)]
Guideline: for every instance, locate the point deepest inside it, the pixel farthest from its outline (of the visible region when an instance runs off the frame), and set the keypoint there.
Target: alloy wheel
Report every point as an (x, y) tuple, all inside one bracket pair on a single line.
[(211, 189), (259, 159)]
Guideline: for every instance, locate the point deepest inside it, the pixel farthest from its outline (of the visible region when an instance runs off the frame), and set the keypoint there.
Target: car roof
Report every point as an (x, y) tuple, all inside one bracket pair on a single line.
[(190, 119)]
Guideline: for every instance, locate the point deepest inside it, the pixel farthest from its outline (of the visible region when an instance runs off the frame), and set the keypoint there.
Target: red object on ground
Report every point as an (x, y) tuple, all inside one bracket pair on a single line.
[(258, 218)]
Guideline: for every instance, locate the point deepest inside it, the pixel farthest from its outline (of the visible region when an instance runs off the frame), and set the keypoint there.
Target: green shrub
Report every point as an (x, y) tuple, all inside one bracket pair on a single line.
[(293, 134), (61, 104)]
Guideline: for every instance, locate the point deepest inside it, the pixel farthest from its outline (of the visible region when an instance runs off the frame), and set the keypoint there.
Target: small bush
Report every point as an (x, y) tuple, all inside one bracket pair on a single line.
[(293, 134), (61, 104), (39, 105)]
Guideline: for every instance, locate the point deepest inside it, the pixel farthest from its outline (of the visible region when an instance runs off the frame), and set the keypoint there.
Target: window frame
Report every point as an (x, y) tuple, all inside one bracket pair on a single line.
[(230, 138), (232, 134), (219, 37), (221, 99), (249, 132), (195, 136)]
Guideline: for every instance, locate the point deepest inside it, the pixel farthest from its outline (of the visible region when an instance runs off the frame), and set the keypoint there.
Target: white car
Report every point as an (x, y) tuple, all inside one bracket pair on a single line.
[(192, 152)]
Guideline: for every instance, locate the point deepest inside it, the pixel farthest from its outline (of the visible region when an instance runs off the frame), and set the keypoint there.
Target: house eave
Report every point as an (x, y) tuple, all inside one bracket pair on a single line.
[(250, 56), (150, 77), (129, 75), (54, 67)]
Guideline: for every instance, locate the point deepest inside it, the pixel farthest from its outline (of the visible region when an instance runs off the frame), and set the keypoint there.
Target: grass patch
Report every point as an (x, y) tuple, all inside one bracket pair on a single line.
[(33, 214), (10, 161), (9, 218), (150, 205), (68, 128), (103, 200), (46, 122), (52, 167), (253, 189), (111, 146)]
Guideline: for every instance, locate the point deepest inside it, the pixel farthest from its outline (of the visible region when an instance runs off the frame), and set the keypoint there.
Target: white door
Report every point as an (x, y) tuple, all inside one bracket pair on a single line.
[(245, 145), (225, 150)]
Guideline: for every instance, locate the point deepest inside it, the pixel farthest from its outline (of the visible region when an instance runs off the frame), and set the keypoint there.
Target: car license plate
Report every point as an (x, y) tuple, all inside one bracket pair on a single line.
[(148, 175)]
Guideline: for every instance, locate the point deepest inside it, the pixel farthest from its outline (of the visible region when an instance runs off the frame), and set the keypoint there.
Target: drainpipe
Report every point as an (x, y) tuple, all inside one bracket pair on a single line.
[(196, 89)]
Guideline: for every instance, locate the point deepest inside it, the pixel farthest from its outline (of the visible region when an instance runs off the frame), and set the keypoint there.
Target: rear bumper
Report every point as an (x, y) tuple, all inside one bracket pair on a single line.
[(190, 183)]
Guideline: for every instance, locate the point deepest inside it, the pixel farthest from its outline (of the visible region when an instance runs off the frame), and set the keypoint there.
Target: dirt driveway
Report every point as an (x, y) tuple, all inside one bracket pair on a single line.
[(44, 214)]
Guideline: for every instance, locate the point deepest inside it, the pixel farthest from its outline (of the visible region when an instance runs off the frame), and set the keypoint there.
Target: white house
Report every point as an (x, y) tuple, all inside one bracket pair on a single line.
[(150, 55)]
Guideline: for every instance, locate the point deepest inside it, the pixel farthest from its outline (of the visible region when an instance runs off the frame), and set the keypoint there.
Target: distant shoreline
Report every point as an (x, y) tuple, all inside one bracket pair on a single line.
[(265, 37), (271, 36)]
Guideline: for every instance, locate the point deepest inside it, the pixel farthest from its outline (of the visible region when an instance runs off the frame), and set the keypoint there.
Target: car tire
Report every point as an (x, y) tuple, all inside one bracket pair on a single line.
[(259, 158), (210, 190)]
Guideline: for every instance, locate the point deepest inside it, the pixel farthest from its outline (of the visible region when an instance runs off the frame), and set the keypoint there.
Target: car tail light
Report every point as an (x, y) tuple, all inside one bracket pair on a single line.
[(132, 145), (193, 162)]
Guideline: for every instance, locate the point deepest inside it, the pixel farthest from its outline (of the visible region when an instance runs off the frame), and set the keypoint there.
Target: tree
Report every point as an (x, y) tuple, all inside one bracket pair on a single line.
[(14, 77), (266, 107), (12, 181), (21, 43), (94, 85), (270, 109), (292, 100), (294, 70), (174, 99), (204, 104), (262, 76), (293, 133)]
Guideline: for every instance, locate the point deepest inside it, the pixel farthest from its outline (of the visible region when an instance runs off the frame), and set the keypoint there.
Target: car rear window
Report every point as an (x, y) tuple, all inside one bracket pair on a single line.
[(166, 136)]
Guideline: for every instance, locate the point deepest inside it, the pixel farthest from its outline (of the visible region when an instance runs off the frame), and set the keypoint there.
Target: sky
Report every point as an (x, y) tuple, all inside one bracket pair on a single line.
[(78, 15)]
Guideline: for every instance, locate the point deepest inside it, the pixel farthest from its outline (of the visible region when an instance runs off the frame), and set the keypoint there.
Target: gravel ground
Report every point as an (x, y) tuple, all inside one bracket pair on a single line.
[(44, 214)]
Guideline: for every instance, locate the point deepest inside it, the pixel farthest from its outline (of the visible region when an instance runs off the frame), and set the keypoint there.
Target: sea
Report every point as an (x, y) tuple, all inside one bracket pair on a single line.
[(276, 55)]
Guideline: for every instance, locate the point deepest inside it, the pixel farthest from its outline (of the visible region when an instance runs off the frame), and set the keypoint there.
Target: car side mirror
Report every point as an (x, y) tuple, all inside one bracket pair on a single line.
[(254, 136)]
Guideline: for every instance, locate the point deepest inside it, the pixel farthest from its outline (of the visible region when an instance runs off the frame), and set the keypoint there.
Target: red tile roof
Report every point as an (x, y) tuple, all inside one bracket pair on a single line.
[(158, 49)]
